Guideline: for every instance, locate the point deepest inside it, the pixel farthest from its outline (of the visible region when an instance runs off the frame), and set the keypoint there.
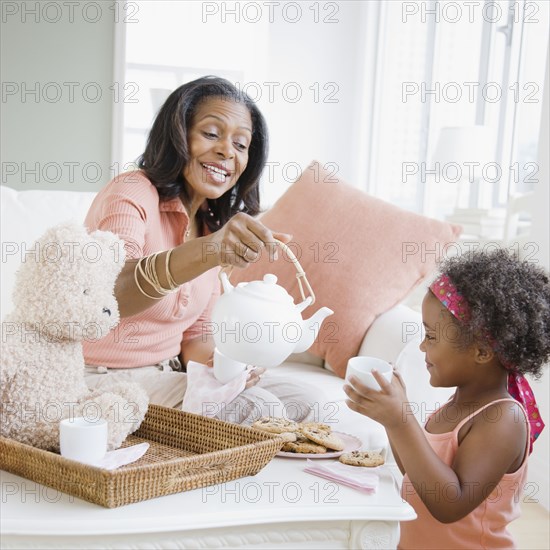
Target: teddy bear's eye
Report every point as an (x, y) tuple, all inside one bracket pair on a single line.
[(86, 292)]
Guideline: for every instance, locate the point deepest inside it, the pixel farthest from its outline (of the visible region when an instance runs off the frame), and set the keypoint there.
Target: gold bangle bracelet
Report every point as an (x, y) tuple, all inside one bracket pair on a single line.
[(148, 272), (138, 266), (171, 282)]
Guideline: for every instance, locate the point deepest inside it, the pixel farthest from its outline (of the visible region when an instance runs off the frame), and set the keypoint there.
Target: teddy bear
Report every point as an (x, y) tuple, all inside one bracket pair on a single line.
[(63, 294)]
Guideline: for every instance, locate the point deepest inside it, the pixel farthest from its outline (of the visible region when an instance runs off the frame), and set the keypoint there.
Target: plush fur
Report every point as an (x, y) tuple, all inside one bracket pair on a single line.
[(63, 294)]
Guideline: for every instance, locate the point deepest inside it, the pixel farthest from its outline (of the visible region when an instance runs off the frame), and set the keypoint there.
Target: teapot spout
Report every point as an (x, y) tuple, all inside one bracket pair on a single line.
[(227, 286), (310, 329)]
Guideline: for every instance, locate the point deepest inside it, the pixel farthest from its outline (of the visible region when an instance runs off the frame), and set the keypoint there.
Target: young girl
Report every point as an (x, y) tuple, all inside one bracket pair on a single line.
[(487, 322)]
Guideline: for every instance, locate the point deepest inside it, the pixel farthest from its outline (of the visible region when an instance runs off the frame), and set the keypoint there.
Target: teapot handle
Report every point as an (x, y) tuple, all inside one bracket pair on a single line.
[(300, 275)]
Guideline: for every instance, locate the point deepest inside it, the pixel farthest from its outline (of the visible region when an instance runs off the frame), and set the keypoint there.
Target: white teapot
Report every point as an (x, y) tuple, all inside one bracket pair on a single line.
[(258, 323)]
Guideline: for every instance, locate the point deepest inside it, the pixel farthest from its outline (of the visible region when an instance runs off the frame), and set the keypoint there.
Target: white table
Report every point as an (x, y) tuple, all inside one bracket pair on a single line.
[(281, 507)]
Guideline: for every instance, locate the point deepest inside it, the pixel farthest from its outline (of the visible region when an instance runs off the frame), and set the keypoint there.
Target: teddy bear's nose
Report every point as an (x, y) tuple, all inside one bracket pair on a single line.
[(107, 310)]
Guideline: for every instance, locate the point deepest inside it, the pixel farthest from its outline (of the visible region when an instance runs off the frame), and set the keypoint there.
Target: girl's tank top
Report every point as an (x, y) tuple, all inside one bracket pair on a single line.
[(484, 527)]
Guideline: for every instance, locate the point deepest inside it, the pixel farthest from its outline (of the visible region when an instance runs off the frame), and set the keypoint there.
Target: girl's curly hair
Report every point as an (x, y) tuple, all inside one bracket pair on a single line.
[(509, 299)]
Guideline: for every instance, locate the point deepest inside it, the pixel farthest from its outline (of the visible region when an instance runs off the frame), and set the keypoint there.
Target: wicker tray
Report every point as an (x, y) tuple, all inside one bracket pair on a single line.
[(186, 452)]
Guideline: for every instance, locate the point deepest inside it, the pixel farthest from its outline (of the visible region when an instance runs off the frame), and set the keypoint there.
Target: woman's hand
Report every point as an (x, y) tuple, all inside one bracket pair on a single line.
[(242, 239), (387, 406), (254, 377)]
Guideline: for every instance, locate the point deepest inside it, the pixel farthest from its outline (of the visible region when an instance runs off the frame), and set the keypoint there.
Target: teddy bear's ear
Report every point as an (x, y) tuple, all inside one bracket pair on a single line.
[(109, 241), (64, 235)]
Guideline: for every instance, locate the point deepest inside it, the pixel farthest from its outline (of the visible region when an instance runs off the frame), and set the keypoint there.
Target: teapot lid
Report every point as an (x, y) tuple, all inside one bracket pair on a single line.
[(267, 289)]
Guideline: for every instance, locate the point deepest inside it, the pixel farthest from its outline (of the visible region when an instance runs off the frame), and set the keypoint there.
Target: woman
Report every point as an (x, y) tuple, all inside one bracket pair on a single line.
[(188, 210)]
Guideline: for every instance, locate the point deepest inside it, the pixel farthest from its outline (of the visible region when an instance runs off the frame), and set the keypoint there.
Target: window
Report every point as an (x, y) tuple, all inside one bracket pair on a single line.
[(378, 82), (166, 44), (442, 64)]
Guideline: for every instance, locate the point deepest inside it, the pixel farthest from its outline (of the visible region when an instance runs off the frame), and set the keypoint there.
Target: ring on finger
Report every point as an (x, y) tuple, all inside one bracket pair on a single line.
[(249, 252)]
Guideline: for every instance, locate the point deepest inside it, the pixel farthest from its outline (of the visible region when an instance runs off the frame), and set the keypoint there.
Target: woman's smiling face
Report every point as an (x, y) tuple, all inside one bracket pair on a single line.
[(219, 139)]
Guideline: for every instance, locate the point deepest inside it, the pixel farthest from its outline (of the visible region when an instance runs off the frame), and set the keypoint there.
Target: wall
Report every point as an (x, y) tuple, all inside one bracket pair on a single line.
[(56, 109), (322, 125)]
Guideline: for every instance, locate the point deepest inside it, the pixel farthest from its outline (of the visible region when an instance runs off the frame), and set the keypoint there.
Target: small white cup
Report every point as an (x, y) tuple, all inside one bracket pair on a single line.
[(361, 367), (83, 439), (225, 368)]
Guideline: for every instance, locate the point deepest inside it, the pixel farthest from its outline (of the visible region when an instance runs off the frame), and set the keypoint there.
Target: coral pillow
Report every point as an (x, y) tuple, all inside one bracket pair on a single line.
[(361, 256)]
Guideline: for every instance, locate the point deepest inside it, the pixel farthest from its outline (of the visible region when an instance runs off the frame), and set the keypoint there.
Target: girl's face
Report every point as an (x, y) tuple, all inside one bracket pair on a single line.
[(219, 139), (448, 364)]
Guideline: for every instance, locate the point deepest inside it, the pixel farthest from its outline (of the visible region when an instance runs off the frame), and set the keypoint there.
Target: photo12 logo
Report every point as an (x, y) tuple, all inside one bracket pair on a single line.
[(454, 92), (256, 12), (67, 171), (68, 92), (436, 251), (51, 332), (290, 92), (292, 170), (492, 492), (454, 172), (74, 11), (267, 332), (270, 492), (54, 411), (471, 11), (29, 491), (53, 252), (51, 172)]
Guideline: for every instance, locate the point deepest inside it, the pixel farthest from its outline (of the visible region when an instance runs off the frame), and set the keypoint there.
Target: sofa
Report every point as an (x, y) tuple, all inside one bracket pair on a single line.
[(394, 335)]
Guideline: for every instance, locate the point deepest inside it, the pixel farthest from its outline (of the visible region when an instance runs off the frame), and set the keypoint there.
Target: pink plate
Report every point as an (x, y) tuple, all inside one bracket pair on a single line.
[(351, 443)]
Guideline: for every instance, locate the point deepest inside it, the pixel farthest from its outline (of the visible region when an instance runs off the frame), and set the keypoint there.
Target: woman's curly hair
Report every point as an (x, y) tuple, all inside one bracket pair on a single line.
[(509, 303)]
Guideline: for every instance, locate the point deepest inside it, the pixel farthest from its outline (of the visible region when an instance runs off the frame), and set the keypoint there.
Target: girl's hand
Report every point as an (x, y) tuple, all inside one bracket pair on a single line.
[(254, 377), (385, 406), (242, 239)]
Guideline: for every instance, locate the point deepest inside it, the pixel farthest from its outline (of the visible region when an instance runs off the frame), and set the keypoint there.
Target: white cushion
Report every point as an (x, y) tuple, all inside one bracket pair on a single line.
[(25, 215), (394, 335)]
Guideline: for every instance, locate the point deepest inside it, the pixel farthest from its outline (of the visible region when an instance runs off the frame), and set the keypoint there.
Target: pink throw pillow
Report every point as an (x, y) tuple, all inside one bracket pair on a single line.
[(361, 256)]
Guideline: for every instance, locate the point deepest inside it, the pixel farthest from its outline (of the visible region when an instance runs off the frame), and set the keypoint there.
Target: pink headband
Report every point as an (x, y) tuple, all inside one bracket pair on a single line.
[(518, 387)]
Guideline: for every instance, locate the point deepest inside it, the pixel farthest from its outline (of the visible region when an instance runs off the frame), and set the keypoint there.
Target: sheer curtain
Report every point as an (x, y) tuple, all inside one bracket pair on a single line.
[(442, 64), (377, 83)]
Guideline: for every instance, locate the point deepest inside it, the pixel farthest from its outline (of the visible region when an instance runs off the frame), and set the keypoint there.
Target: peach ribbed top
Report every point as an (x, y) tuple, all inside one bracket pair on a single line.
[(130, 207)]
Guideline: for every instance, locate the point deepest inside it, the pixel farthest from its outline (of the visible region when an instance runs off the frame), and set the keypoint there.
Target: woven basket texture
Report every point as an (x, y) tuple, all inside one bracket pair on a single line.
[(186, 451)]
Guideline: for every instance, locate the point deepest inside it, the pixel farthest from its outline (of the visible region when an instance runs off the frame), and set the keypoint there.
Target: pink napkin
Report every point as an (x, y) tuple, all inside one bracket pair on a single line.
[(205, 395), (359, 478)]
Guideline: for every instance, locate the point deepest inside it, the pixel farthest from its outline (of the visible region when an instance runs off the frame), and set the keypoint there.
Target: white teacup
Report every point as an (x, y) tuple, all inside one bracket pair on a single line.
[(361, 367), (225, 368), (83, 439)]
